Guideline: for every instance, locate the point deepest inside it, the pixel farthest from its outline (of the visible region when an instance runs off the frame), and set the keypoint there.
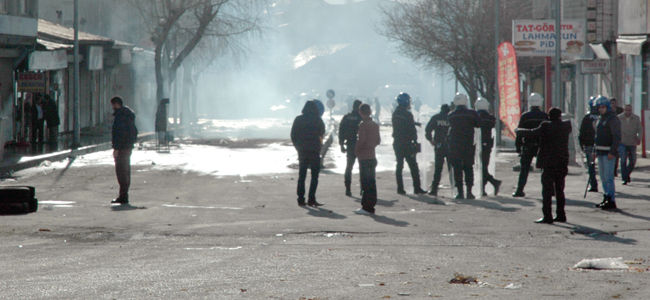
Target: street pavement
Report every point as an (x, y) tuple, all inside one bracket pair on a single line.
[(192, 233)]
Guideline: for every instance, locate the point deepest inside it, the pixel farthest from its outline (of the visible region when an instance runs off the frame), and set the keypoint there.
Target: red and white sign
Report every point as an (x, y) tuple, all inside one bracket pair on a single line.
[(31, 82), (510, 105)]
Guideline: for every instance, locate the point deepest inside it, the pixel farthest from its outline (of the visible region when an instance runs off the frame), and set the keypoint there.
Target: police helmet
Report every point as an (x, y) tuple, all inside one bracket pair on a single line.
[(591, 102), (403, 99), (602, 100), (481, 104), (460, 99), (535, 100)]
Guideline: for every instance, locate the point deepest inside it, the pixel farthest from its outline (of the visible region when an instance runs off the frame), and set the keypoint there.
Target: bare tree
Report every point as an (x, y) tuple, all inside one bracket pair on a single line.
[(178, 27), (456, 35)]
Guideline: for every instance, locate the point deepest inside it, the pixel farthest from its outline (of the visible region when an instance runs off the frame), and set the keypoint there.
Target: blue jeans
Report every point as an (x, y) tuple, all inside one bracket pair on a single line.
[(606, 170), (627, 153), (591, 166)]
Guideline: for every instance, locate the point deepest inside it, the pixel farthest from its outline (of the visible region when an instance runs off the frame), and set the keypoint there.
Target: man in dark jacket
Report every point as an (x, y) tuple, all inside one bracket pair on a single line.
[(405, 144), (348, 139), (527, 147), (587, 139), (462, 122), (553, 159), (608, 139), (124, 136), (440, 124), (307, 137), (488, 122)]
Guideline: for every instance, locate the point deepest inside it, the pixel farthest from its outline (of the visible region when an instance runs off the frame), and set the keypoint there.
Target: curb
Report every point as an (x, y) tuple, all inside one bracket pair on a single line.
[(34, 161)]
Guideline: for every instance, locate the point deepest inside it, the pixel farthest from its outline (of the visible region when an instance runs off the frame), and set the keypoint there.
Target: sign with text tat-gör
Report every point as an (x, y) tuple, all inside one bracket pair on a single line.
[(510, 104), (537, 37)]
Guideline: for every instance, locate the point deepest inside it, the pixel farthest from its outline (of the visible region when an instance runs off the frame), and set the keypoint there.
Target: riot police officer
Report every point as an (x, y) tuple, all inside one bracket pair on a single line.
[(440, 124), (405, 143), (348, 139), (527, 147), (487, 123), (462, 122)]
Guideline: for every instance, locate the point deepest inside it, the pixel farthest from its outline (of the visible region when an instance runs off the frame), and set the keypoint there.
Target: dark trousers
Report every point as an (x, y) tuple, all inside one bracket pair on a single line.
[(591, 166), (368, 184), (37, 131), (351, 157), (401, 153), (525, 161), (462, 159), (553, 183), (441, 154), (486, 152), (123, 171), (308, 160)]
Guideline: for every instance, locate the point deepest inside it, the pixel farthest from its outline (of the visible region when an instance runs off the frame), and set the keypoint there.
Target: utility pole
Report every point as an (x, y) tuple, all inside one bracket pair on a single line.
[(496, 71), (558, 56), (76, 140)]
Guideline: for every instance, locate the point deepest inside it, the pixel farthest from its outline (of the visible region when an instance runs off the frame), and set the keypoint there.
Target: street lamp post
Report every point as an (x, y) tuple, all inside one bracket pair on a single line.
[(76, 140)]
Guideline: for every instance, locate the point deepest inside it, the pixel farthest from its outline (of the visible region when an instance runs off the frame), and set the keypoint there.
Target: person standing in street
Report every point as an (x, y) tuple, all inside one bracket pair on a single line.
[(608, 139), (369, 139), (617, 111), (527, 147), (377, 110), (462, 122), (306, 135), (52, 118), (348, 139), (439, 124), (124, 135), (38, 122), (631, 133), (587, 138), (488, 122), (405, 144), (553, 159)]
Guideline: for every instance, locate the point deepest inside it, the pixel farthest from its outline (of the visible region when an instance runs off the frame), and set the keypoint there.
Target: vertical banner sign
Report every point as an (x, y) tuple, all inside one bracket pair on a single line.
[(510, 105)]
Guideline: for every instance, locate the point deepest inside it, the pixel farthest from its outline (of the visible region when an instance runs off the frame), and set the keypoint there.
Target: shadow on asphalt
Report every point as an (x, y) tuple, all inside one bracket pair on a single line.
[(426, 199), (323, 213), (389, 221), (627, 214), (380, 202), (510, 200), (628, 196), (486, 204), (596, 234), (71, 160)]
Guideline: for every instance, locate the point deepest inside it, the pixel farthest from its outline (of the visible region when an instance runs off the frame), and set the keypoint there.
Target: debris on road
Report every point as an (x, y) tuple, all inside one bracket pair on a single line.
[(609, 263), (512, 286), (366, 285), (463, 279)]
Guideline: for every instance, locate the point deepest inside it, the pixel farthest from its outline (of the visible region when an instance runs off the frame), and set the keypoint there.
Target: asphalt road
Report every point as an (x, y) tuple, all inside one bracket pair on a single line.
[(193, 235)]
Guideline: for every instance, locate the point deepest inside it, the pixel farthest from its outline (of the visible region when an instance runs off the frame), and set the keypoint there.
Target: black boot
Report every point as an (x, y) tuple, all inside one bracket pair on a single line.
[(497, 186), (605, 200), (519, 193), (460, 195), (470, 196), (348, 192), (433, 191)]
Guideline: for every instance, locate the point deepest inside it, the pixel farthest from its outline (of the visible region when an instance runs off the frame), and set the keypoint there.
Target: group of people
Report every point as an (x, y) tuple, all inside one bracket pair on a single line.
[(604, 137), (359, 136), (42, 113)]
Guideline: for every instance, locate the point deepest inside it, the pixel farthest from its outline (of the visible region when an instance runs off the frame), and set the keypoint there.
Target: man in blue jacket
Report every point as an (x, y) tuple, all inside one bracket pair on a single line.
[(124, 136), (347, 140), (608, 139), (405, 143), (307, 137), (587, 139)]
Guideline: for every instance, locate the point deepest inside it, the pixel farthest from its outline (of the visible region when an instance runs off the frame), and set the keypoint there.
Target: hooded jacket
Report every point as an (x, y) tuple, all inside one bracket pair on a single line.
[(308, 129), (440, 124), (608, 134), (124, 132)]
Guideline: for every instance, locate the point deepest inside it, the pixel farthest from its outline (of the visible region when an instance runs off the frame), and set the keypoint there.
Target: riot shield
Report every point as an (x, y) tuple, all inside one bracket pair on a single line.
[(579, 158), (477, 189)]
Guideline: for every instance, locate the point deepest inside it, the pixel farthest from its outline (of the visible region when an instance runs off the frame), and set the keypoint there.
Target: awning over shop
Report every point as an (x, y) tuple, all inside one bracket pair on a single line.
[(49, 45), (631, 44), (600, 51), (48, 60)]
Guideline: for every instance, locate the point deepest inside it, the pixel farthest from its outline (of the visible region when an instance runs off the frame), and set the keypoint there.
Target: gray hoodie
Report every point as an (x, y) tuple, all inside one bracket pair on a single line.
[(631, 129)]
